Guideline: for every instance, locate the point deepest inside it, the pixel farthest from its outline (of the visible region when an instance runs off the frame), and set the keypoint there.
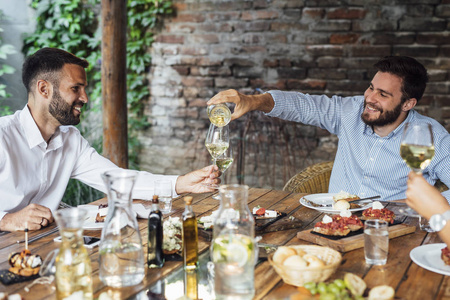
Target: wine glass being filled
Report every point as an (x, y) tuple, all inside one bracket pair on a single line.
[(223, 162), (217, 141), (417, 147)]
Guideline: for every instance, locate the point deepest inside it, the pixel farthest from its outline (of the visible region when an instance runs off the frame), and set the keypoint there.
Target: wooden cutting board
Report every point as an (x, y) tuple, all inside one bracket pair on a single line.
[(353, 242)]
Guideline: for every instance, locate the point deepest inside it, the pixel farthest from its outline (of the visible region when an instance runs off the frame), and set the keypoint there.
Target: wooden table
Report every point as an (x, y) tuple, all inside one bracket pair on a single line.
[(408, 279)]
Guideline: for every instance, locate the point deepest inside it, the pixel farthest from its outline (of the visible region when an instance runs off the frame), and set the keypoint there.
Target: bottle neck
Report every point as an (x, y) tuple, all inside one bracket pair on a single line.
[(155, 206), (188, 209)]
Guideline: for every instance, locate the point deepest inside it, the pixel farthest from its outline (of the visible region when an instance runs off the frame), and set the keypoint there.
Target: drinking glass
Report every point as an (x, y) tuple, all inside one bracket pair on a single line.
[(224, 161), (376, 242), (417, 150), (424, 224), (163, 188), (417, 147), (217, 140)]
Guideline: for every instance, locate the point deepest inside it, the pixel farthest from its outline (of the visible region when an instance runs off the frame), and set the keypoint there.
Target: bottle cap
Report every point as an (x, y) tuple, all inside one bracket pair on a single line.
[(155, 199), (188, 200)]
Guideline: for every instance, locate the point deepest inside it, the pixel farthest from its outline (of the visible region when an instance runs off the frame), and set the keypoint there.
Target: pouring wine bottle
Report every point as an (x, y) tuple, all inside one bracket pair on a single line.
[(155, 255)]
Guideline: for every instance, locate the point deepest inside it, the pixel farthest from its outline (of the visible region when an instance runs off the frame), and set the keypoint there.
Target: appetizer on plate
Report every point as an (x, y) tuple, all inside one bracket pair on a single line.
[(260, 212), (377, 211), (344, 196), (172, 236), (24, 263), (445, 255), (338, 225)]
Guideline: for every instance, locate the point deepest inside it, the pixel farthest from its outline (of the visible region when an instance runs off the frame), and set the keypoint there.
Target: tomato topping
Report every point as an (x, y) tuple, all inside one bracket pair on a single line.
[(260, 212)]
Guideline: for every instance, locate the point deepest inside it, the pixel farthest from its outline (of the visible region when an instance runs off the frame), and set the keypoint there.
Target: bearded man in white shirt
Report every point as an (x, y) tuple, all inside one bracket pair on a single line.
[(369, 127), (40, 149)]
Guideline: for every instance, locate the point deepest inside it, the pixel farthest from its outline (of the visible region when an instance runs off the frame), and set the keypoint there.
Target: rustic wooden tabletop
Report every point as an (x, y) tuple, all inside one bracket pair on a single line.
[(409, 280)]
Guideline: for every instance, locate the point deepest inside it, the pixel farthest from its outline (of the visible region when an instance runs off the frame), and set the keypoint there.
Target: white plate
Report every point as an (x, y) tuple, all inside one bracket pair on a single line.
[(90, 224), (326, 198), (429, 257)]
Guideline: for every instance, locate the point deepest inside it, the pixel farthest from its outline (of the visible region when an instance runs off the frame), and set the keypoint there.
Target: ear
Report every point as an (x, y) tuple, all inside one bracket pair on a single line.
[(409, 104), (44, 88)]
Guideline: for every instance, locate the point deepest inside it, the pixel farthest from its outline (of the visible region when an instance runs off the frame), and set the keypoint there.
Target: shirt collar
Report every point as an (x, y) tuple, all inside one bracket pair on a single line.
[(33, 134)]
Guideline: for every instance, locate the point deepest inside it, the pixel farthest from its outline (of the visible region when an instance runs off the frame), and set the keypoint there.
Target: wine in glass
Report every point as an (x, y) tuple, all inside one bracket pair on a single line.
[(417, 150), (217, 141), (417, 147), (224, 161)]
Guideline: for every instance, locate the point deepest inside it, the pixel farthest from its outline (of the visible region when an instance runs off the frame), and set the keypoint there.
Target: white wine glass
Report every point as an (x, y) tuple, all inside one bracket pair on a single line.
[(417, 147), (224, 161), (417, 151), (217, 141)]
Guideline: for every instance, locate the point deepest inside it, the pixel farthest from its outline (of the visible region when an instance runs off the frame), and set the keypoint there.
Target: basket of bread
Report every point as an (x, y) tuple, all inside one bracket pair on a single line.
[(300, 264)]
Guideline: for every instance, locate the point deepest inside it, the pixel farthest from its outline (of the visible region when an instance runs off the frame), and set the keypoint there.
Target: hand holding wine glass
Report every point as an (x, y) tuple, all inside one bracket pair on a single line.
[(417, 147)]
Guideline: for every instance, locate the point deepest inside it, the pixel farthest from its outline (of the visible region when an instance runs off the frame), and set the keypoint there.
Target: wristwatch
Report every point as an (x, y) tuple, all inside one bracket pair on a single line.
[(438, 221)]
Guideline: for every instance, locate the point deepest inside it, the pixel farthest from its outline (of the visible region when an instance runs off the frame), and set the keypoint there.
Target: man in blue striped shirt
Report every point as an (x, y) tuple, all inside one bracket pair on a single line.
[(369, 127)]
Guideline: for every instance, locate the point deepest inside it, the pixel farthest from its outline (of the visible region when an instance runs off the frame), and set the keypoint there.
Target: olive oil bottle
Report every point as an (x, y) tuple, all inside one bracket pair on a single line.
[(190, 236), (155, 255)]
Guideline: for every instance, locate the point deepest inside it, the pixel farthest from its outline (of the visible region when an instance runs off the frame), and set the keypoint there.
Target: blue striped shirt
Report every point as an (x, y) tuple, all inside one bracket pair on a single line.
[(365, 164)]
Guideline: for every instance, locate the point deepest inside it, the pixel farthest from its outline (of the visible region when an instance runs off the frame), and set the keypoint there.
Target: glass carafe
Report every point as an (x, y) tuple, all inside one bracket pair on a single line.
[(73, 266), (233, 246), (121, 253)]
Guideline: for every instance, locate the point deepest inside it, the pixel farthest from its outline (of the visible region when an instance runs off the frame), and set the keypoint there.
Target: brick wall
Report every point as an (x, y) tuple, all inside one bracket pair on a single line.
[(320, 46)]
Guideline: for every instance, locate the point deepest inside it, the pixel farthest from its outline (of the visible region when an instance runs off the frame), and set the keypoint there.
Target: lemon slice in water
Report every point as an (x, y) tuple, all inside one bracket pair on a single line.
[(232, 248)]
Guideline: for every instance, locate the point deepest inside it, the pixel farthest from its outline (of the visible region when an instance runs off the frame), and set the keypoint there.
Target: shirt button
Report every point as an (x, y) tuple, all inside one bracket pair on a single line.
[(371, 159), (365, 177)]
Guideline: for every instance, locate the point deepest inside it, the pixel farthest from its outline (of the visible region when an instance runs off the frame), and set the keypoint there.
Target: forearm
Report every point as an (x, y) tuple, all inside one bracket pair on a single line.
[(262, 102)]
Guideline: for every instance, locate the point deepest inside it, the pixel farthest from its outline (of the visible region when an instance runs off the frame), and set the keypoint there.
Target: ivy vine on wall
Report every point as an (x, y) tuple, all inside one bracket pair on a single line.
[(74, 25), (5, 51)]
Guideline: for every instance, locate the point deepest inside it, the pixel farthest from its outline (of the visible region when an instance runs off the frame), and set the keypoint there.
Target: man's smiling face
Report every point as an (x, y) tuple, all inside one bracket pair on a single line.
[(383, 100), (68, 99)]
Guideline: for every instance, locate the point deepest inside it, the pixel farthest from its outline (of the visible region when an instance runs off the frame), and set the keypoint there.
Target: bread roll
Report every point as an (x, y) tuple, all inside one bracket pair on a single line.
[(300, 252), (341, 205), (295, 261), (313, 261), (282, 253)]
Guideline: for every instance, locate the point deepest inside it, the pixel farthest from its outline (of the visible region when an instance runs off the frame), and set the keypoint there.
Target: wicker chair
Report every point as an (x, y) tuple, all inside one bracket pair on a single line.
[(314, 179)]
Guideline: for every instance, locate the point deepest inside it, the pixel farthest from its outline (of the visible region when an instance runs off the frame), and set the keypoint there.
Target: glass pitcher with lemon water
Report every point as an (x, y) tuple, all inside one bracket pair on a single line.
[(233, 245)]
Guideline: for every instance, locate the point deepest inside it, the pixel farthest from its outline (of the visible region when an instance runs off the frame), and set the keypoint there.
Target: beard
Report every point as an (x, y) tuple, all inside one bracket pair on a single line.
[(385, 118), (62, 111)]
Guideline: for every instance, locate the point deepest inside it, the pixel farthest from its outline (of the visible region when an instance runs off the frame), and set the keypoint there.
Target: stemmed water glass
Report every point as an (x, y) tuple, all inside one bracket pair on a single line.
[(417, 150), (224, 161), (217, 141)]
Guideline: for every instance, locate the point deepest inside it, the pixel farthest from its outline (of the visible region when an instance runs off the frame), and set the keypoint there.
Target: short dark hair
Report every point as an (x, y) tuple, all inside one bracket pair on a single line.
[(46, 63), (413, 74)]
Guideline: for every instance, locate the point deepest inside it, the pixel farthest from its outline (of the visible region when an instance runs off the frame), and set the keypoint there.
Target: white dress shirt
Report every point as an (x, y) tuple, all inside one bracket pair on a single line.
[(366, 164), (32, 171)]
